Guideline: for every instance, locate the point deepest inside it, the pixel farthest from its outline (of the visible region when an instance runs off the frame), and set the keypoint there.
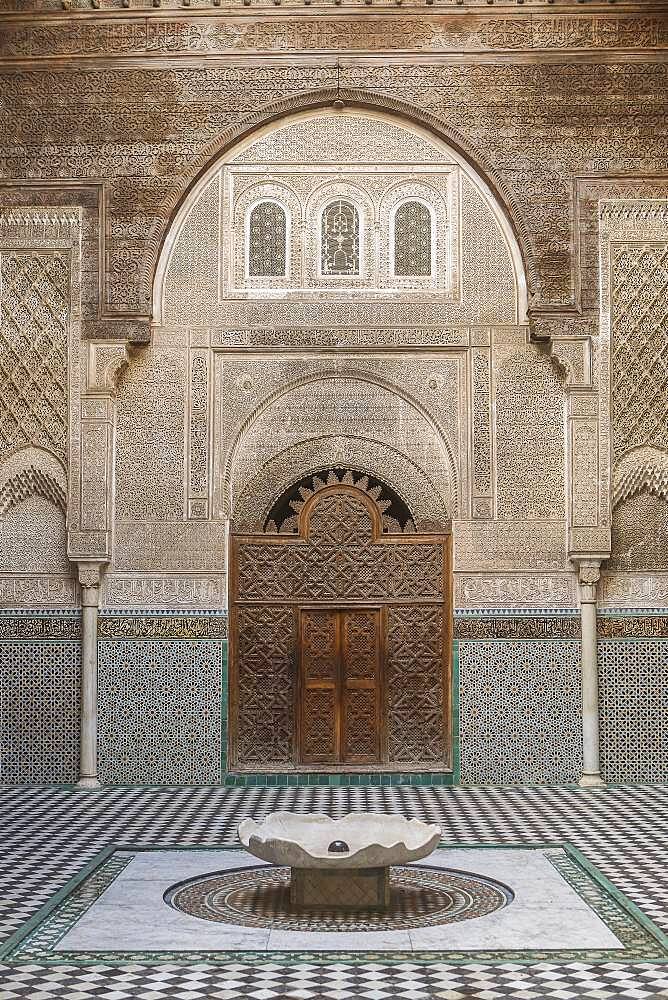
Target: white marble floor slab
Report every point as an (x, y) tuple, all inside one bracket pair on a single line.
[(546, 913)]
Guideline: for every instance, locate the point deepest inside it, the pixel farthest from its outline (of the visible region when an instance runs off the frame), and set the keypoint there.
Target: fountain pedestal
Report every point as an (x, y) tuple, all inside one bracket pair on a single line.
[(340, 888)]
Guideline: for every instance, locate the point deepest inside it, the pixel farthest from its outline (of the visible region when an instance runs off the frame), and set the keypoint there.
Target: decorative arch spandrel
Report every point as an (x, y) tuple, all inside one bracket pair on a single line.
[(329, 399)]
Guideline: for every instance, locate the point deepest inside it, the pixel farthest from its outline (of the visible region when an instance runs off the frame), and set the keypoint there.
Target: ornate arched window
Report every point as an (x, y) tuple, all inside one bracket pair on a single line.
[(340, 238), (412, 240), (267, 241)]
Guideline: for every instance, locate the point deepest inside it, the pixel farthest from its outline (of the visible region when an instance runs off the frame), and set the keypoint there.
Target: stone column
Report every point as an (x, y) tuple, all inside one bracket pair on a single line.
[(89, 578), (588, 576)]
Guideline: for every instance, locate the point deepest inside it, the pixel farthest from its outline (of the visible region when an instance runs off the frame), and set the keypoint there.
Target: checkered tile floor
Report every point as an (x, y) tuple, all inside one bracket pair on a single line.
[(48, 834)]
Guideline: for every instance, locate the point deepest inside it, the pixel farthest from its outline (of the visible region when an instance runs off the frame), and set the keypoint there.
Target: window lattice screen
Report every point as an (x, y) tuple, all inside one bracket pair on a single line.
[(412, 240), (340, 238), (267, 239)]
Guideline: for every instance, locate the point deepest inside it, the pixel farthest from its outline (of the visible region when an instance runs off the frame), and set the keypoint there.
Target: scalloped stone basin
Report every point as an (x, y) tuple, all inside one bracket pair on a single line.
[(356, 878)]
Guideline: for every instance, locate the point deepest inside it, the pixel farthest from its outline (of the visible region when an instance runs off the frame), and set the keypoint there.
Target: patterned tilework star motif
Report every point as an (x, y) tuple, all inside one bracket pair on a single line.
[(51, 833)]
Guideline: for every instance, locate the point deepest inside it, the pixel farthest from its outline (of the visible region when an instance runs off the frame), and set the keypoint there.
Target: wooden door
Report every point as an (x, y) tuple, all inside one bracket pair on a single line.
[(340, 686)]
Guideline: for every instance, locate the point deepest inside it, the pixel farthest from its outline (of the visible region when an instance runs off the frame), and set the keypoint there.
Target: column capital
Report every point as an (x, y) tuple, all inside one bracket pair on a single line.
[(90, 573), (90, 576), (589, 574)]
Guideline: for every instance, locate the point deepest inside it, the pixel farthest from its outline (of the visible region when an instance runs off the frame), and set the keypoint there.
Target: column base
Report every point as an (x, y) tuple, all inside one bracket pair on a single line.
[(88, 783), (592, 780)]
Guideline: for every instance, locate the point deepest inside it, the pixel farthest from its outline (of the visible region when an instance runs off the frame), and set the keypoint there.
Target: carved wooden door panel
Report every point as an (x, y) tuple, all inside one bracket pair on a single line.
[(340, 642), (340, 686), (360, 662), (319, 710)]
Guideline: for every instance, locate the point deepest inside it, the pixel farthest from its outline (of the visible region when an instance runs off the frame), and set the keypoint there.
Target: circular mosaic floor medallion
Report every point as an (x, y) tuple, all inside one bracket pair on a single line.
[(260, 897)]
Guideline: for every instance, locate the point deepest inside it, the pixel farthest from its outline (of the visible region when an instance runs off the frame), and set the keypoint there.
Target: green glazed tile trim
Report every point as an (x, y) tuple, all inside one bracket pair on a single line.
[(339, 780), (642, 940), (224, 700)]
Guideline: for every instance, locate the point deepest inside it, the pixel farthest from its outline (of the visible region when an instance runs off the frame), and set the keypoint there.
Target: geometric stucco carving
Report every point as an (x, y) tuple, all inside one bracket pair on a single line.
[(364, 456), (349, 405), (303, 399), (107, 360), (214, 215), (252, 384), (644, 468), (634, 274), (56, 419), (39, 391)]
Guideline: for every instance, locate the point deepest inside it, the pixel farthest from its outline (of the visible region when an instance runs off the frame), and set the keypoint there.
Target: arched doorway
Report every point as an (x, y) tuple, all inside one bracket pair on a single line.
[(340, 638)]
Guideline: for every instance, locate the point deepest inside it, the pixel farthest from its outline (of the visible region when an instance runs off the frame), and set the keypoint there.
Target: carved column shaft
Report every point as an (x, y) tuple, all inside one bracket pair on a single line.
[(89, 578), (588, 577)]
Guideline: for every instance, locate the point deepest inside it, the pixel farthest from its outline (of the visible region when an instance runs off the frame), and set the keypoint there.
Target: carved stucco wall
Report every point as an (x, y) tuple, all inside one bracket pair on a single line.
[(535, 180), (39, 275), (305, 396), (496, 411), (634, 268), (508, 108)]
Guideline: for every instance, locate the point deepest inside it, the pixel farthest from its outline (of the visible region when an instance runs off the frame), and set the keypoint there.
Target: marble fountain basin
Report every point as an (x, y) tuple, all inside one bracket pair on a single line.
[(342, 863), (374, 839)]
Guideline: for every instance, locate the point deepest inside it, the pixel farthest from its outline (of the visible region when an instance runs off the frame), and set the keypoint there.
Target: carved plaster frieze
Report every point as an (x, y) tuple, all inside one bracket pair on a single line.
[(139, 195), (169, 35), (169, 591), (501, 545), (517, 590), (164, 546), (637, 590), (35, 591), (335, 336), (82, 545), (585, 541)]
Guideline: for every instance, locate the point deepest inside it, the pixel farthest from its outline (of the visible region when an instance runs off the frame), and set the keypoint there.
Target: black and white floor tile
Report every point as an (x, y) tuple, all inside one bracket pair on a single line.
[(49, 834)]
